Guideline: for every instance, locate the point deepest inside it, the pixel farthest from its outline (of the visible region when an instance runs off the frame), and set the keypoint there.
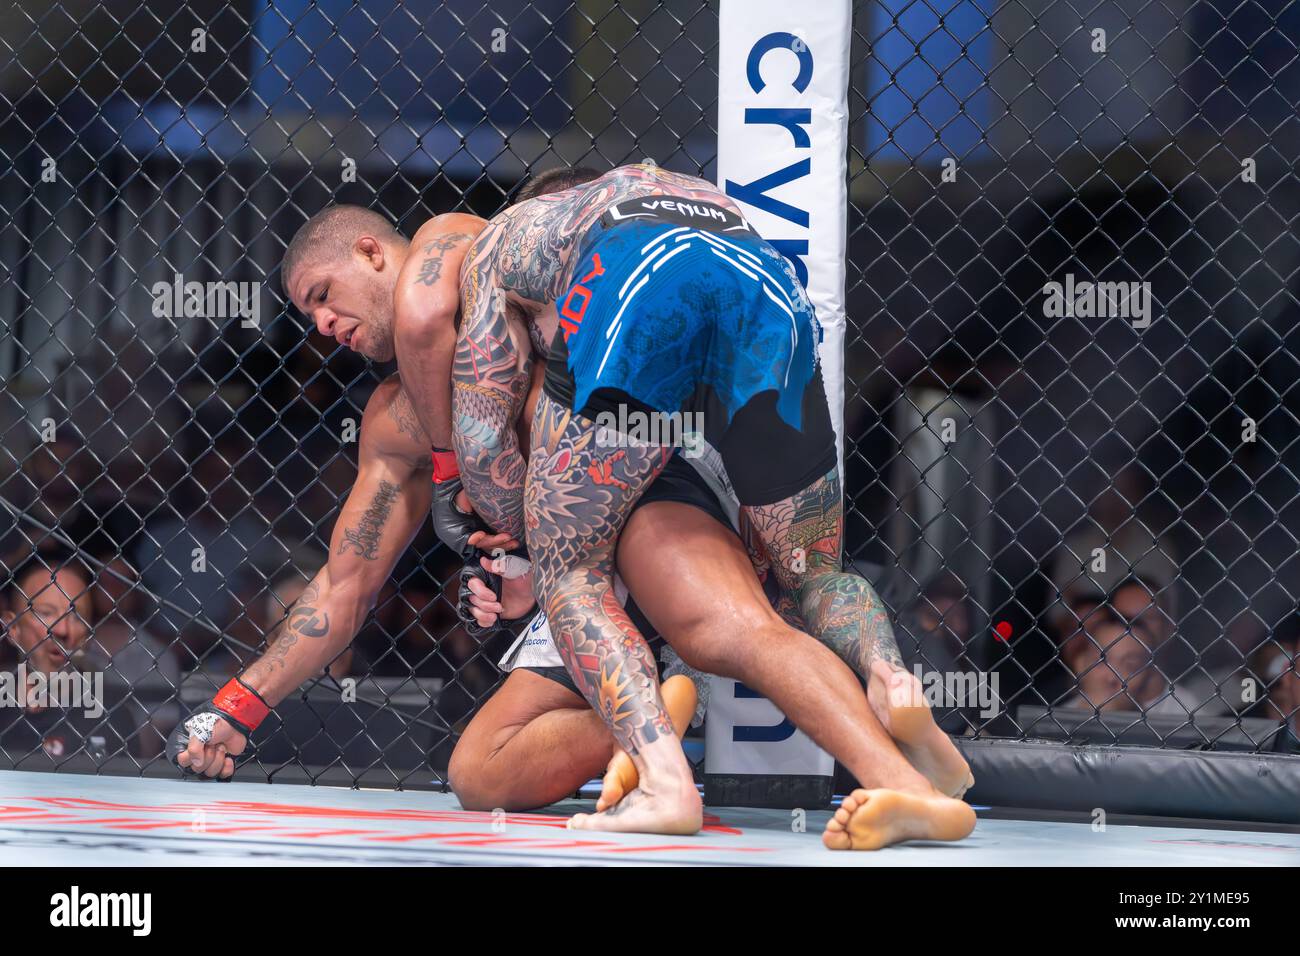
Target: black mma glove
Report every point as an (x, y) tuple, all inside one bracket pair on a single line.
[(452, 525), (237, 704), (472, 570)]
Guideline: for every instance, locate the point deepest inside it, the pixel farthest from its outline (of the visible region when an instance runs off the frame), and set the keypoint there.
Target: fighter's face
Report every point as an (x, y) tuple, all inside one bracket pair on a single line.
[(51, 624), (350, 301)]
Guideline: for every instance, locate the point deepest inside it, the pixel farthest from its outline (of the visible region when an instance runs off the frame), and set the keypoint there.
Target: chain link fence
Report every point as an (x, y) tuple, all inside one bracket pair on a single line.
[(1071, 438)]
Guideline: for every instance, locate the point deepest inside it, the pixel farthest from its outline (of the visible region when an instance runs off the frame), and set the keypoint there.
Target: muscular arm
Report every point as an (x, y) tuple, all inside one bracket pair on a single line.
[(523, 254), (426, 302), (390, 498), (490, 378)]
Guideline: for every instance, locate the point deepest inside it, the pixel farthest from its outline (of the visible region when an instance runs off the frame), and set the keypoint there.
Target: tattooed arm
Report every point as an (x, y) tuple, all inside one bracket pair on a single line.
[(426, 302), (490, 379), (383, 511)]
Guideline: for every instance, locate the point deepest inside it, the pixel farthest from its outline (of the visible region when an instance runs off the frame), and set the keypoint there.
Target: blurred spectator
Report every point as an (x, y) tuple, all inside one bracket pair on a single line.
[(48, 609), (940, 626), (200, 554), (1276, 664), (121, 634), (1112, 653), (63, 486), (146, 672), (48, 617), (1098, 557)]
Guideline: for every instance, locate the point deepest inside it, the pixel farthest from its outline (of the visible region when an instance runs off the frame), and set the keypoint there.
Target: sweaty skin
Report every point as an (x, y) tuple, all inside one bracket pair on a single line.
[(518, 266), (509, 285), (389, 499), (535, 742), (427, 303), (385, 507), (353, 301), (381, 515), (393, 298)]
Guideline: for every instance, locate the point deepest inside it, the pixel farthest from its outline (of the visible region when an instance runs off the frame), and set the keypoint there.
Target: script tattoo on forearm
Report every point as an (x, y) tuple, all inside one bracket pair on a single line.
[(364, 538), (431, 267)]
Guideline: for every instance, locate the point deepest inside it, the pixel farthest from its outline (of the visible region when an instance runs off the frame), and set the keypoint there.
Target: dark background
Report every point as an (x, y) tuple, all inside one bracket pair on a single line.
[(1120, 167)]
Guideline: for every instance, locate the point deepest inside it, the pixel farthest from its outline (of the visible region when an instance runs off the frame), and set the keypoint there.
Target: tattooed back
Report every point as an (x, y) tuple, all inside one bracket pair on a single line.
[(524, 253)]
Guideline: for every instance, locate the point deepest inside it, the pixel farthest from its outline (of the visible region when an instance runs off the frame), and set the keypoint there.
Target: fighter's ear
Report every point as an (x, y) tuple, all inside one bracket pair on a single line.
[(372, 251)]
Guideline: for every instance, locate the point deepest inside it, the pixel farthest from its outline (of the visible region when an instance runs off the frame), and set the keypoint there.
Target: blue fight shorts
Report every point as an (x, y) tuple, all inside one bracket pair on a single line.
[(677, 308)]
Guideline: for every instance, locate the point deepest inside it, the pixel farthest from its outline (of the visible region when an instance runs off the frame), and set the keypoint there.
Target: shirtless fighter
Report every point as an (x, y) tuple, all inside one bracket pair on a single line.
[(536, 740), (342, 274), (656, 298)]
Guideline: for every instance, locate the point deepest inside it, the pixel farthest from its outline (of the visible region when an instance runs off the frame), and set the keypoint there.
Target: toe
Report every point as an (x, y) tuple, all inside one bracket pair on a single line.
[(836, 839)]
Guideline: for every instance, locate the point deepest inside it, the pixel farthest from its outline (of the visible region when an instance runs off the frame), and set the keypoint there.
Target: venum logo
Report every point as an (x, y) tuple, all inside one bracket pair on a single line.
[(685, 209)]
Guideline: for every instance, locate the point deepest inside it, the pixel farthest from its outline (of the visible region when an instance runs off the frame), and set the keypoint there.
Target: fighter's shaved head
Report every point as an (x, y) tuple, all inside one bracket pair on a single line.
[(556, 180), (330, 235)]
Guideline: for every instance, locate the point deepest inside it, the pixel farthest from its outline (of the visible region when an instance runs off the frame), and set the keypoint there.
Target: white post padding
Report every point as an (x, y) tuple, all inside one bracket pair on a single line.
[(783, 127), (783, 77)]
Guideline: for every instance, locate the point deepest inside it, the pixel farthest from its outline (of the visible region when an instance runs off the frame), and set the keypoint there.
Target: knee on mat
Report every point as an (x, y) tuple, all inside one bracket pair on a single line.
[(470, 774)]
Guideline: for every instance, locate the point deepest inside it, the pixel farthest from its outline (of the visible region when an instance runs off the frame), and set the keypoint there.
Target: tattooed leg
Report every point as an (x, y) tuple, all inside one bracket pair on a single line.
[(577, 498), (802, 537)]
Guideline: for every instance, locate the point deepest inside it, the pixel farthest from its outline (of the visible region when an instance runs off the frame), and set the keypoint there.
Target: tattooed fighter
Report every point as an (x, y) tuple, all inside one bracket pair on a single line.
[(352, 268), (536, 740), (652, 297)]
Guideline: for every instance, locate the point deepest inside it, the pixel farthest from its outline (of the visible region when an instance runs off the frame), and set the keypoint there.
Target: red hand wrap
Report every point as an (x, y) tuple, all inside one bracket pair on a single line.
[(445, 466), (241, 702)]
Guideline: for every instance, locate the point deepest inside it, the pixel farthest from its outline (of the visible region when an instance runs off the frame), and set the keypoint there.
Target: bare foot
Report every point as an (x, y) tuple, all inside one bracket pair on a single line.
[(898, 701), (621, 777), (680, 811), (870, 819)]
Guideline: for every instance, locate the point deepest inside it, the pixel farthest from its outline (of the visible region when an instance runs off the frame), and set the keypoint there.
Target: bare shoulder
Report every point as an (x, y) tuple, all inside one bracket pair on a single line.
[(573, 210), (448, 229), (429, 275), (390, 426)]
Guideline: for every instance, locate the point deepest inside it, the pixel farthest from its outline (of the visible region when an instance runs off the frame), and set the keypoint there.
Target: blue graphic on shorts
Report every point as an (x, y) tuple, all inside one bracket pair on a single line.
[(657, 310)]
